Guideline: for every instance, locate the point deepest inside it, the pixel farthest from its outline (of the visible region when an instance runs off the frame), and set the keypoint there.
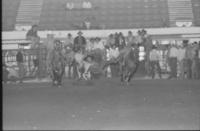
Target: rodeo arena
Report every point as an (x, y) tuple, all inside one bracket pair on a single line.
[(101, 64)]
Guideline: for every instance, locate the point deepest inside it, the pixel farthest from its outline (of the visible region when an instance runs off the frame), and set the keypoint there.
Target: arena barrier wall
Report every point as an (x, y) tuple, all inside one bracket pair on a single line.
[(179, 32)]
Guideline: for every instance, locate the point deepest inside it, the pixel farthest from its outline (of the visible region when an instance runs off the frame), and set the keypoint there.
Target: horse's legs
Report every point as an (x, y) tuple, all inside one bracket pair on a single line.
[(55, 77), (59, 79), (78, 72), (133, 72), (69, 71), (121, 69), (75, 72)]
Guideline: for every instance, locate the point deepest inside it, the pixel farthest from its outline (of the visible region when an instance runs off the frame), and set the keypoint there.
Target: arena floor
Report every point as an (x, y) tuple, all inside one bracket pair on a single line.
[(103, 104)]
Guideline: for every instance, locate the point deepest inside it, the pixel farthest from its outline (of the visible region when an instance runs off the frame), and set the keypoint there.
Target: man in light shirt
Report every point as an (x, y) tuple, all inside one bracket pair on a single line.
[(154, 57), (181, 58), (98, 44), (49, 43), (172, 57), (130, 39), (69, 41), (90, 45), (189, 57), (113, 54)]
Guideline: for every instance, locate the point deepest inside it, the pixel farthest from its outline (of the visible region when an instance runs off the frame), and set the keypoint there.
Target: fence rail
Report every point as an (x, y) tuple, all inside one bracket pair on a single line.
[(30, 56)]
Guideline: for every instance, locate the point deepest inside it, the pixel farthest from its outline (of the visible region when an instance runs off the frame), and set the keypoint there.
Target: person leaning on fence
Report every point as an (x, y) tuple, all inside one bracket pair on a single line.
[(154, 61), (33, 36), (20, 60)]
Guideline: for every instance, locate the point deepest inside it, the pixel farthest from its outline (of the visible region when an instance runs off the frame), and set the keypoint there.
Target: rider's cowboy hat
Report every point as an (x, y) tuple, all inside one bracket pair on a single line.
[(56, 41), (80, 33)]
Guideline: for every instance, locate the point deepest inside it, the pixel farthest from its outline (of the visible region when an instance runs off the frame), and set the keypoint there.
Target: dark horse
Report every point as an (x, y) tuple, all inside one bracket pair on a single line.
[(128, 61)]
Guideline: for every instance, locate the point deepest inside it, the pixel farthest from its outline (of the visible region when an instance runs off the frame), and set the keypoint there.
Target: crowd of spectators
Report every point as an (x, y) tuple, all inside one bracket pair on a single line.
[(182, 59)]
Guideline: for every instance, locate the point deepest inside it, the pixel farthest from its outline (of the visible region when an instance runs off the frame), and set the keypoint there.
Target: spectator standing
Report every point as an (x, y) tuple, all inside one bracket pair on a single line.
[(90, 44), (148, 47), (154, 62), (67, 51), (98, 44), (199, 60), (195, 61), (20, 60), (138, 38), (189, 57), (79, 42), (172, 59), (5, 73), (57, 63), (122, 42), (116, 39), (49, 43), (114, 53), (111, 40), (181, 59), (69, 41), (130, 38), (32, 35)]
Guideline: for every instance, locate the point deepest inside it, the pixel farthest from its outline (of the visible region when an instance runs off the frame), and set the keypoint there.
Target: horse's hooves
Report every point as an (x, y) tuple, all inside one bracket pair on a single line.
[(78, 79), (127, 83)]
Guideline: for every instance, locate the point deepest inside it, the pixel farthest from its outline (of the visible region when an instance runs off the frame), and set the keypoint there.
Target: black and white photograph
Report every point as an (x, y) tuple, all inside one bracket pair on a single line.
[(100, 64)]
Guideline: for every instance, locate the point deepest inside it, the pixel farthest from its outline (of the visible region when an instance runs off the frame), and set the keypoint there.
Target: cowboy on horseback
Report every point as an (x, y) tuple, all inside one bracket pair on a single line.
[(79, 42), (128, 60)]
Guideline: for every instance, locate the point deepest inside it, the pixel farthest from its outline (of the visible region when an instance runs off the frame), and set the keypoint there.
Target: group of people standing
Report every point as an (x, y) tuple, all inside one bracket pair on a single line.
[(183, 60)]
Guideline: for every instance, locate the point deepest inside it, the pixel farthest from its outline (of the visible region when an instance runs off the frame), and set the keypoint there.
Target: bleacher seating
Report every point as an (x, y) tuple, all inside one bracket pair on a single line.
[(9, 13), (196, 11), (29, 12), (180, 11), (104, 14), (110, 13)]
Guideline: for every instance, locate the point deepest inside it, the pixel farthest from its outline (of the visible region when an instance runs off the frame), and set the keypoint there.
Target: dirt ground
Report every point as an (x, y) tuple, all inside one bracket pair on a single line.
[(102, 104)]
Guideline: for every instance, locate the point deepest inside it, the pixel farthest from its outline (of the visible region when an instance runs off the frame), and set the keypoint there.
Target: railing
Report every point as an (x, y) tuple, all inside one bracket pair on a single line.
[(29, 55)]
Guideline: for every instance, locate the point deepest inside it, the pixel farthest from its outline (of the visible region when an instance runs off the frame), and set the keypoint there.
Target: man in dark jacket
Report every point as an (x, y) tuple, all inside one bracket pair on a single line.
[(32, 35), (79, 42), (20, 60)]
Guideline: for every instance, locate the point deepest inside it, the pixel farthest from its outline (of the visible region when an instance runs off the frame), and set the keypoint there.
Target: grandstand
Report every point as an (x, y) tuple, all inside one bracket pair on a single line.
[(103, 14), (163, 19)]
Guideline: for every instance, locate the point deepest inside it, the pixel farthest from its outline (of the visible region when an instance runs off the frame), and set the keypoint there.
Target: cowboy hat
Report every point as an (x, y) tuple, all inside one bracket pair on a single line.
[(80, 32), (56, 41)]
